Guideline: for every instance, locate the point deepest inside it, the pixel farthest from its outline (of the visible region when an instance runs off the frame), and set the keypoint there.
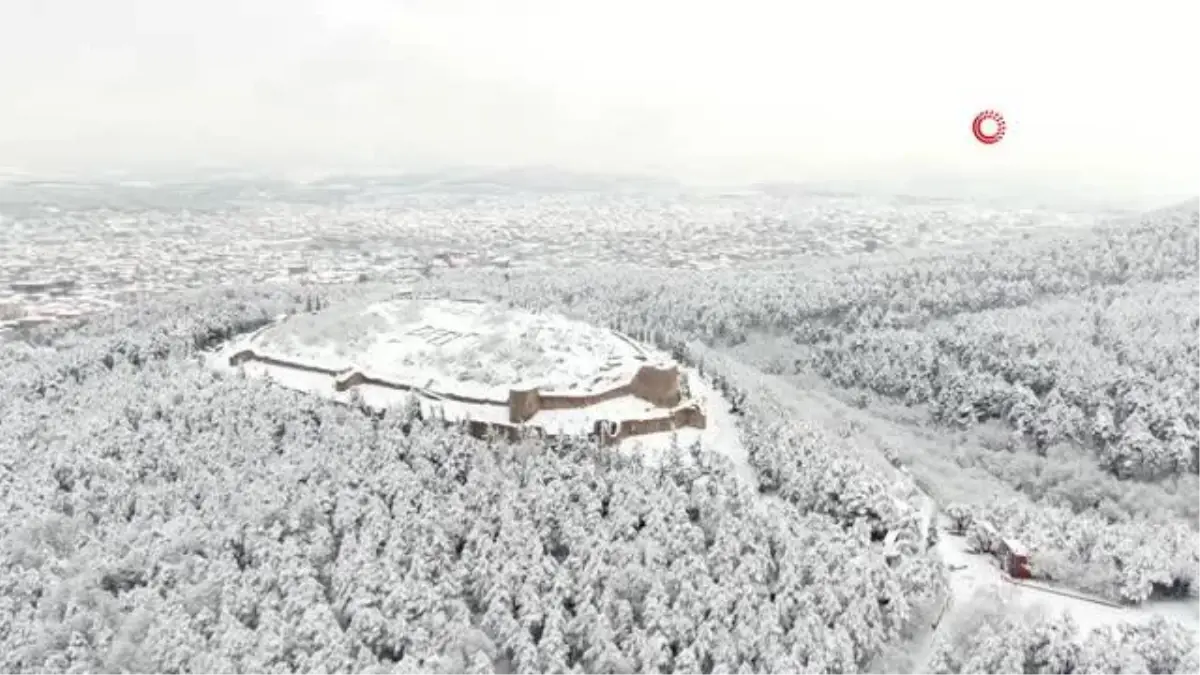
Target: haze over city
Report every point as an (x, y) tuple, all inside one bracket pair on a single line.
[(1094, 95)]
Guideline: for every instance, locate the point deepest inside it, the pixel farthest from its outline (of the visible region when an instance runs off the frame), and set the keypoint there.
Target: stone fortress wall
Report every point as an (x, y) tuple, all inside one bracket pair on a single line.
[(658, 386)]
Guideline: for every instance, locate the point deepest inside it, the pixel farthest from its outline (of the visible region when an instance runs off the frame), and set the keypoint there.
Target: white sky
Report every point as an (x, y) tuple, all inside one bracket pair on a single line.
[(1098, 93)]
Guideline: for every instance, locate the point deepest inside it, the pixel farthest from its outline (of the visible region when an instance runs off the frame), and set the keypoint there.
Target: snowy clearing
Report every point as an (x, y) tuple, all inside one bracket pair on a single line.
[(470, 348)]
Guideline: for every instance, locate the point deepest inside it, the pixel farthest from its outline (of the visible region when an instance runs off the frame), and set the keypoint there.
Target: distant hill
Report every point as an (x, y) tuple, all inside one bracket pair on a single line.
[(1173, 216), (521, 179), (223, 189), (1186, 207)]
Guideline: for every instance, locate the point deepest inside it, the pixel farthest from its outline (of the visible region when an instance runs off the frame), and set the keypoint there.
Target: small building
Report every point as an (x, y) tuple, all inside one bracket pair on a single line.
[(1014, 558)]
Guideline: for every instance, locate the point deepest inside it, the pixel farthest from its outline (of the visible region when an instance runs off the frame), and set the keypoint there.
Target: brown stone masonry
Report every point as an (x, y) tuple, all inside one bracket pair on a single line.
[(249, 355), (687, 416), (659, 386), (357, 377)]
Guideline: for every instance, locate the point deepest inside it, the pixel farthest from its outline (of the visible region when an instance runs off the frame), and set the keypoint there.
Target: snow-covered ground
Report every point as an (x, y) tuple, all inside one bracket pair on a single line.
[(474, 349), (975, 573), (115, 248), (549, 350), (719, 436), (975, 577)]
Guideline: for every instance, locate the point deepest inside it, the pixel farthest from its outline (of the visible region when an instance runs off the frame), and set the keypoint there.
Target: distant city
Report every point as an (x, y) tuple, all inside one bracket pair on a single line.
[(70, 248)]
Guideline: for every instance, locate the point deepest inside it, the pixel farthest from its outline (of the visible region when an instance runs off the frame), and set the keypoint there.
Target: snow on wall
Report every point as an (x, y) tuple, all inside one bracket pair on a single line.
[(659, 386), (642, 394)]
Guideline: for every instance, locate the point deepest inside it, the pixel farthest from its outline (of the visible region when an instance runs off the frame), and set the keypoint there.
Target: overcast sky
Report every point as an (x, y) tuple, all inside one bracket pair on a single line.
[(1099, 93)]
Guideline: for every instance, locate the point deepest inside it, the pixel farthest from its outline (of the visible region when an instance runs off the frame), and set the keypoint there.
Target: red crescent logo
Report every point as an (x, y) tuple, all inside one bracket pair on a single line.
[(986, 138)]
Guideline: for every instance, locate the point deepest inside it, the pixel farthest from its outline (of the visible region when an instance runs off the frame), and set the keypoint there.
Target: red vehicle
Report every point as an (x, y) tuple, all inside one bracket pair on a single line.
[(1014, 558)]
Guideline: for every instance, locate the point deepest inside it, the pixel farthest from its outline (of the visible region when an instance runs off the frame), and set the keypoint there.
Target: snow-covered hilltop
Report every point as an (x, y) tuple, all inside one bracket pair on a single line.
[(475, 361), (450, 343)]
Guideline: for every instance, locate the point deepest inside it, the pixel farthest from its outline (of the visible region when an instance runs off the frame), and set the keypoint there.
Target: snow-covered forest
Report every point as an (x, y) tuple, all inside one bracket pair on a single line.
[(1032, 642), (165, 518), (159, 516), (1080, 349)]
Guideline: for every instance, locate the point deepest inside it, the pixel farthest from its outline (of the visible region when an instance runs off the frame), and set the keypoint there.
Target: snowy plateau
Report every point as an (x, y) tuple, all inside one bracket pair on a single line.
[(258, 426), (497, 369)]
